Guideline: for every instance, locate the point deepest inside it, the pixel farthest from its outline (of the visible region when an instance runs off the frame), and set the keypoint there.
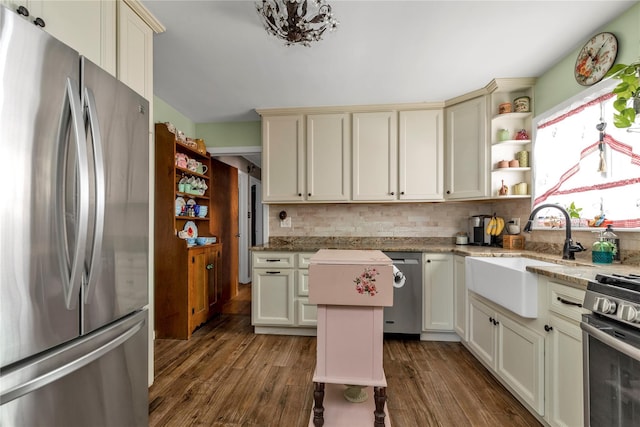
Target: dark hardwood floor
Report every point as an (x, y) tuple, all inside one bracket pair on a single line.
[(228, 376)]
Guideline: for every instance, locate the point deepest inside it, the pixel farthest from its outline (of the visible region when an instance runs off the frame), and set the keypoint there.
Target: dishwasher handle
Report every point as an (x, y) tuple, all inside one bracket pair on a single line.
[(405, 261)]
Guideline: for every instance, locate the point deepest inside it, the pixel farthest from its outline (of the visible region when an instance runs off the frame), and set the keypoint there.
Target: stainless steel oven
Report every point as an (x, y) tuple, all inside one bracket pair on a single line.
[(611, 343)]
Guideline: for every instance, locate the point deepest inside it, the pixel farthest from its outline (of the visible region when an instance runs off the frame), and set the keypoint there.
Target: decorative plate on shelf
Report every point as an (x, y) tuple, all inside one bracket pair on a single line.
[(179, 204), (191, 229), (191, 202)]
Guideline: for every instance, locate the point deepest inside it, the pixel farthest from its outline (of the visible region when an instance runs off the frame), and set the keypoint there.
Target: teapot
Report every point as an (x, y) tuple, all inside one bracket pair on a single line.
[(182, 160)]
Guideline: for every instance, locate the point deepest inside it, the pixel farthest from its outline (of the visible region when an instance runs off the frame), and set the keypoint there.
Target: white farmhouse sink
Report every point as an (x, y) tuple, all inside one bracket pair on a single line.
[(505, 281)]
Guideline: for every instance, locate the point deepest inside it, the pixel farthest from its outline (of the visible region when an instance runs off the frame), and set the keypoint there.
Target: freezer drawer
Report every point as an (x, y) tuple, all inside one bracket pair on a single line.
[(97, 380)]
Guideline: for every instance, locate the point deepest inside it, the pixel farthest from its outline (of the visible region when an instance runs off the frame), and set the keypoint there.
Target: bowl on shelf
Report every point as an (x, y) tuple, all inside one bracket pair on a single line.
[(191, 241), (202, 241)]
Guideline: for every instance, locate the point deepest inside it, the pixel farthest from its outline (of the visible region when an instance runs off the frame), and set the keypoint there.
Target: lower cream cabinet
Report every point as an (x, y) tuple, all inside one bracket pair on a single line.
[(513, 351), (280, 291), (437, 292), (460, 306), (564, 398)]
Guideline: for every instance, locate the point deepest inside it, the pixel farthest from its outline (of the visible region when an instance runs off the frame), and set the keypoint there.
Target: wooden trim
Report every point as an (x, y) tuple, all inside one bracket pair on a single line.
[(146, 16)]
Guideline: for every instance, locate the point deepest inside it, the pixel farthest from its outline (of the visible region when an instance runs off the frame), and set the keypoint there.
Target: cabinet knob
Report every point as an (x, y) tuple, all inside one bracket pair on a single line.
[(402, 193), (23, 11), (490, 319), (448, 192), (428, 260), (209, 266), (39, 22), (548, 328), (299, 194), (309, 194), (393, 193)]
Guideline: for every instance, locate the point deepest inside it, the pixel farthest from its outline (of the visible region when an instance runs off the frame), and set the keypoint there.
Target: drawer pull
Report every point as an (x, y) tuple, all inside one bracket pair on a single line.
[(273, 272), (273, 260), (564, 301)]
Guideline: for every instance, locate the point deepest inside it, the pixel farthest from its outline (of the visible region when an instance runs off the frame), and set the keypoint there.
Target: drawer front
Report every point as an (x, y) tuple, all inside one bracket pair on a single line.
[(566, 301), (274, 259)]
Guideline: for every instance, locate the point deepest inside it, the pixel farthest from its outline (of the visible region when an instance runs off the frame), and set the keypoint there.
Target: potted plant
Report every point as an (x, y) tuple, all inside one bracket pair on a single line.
[(574, 214), (627, 103)]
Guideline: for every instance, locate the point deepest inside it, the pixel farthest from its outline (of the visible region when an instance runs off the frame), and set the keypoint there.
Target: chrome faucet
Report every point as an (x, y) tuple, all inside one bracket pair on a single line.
[(569, 248)]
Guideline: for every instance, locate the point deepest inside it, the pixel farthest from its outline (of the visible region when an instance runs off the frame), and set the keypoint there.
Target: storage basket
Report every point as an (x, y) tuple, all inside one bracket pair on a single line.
[(599, 257)]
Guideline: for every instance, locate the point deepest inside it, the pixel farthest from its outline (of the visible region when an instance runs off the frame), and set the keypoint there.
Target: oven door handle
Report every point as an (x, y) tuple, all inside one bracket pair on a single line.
[(607, 339)]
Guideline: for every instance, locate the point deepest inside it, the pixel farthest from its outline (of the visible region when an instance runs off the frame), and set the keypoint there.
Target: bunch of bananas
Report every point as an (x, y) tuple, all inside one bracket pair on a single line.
[(495, 226)]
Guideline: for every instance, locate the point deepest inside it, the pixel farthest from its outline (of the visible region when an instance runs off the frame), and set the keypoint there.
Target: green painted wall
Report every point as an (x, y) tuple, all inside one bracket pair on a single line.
[(558, 84), (230, 134), (163, 112)]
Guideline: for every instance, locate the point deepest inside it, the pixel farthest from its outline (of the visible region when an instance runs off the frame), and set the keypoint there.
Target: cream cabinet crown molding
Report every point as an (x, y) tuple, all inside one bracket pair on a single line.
[(510, 84), (146, 16), (350, 109)]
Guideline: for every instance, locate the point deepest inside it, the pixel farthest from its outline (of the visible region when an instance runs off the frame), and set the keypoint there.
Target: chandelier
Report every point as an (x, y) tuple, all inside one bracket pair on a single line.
[(292, 22)]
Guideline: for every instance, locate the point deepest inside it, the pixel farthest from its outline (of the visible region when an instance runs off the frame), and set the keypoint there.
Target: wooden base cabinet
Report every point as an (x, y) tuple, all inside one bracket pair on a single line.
[(514, 352)]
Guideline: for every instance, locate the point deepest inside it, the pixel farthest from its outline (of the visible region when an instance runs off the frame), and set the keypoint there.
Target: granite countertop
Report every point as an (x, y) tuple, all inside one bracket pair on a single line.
[(575, 273)]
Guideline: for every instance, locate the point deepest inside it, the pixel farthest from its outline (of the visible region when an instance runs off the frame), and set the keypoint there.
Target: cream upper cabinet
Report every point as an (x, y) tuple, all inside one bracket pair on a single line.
[(375, 156), (437, 292), (135, 52), (466, 149), (328, 157), (420, 162), (87, 26), (283, 158)]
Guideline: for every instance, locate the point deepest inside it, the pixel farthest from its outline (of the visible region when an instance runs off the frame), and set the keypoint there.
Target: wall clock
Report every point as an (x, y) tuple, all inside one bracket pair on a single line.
[(596, 58)]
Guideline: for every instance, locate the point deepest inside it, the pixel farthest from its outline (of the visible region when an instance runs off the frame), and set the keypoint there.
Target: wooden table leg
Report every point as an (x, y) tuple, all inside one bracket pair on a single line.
[(380, 398), (318, 409)]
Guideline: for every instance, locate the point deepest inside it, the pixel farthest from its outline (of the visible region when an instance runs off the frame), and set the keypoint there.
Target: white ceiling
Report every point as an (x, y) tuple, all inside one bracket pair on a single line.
[(216, 63)]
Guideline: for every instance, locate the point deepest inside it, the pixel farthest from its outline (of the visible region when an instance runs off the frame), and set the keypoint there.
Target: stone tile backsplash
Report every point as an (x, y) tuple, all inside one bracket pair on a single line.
[(427, 220)]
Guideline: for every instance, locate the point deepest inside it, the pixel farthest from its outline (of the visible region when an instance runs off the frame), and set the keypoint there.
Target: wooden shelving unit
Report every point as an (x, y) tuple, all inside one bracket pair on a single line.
[(187, 279)]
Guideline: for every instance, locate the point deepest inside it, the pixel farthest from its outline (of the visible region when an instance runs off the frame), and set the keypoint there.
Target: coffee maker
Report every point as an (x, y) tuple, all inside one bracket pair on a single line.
[(477, 230)]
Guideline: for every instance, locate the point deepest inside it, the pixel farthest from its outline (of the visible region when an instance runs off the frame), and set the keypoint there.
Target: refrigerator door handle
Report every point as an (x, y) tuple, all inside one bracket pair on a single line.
[(99, 171), (73, 275), (21, 381)]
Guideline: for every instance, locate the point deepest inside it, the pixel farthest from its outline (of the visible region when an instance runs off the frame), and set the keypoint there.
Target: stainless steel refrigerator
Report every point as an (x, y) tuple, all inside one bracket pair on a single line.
[(73, 237)]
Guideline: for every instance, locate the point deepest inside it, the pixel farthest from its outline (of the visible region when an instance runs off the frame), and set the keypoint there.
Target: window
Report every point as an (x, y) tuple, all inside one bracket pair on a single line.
[(574, 162)]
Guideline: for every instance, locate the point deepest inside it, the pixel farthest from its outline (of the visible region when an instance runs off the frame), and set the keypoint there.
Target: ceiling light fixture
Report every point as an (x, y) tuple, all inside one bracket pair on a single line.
[(291, 21)]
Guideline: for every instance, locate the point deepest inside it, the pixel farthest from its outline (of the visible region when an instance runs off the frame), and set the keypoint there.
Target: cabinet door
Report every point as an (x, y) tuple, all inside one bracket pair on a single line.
[(421, 156), (214, 291), (459, 298), (282, 159), (135, 52), (272, 298), (564, 374), (198, 287), (521, 361), (375, 156), (482, 332), (437, 305), (328, 157), (466, 150), (307, 313), (87, 26)]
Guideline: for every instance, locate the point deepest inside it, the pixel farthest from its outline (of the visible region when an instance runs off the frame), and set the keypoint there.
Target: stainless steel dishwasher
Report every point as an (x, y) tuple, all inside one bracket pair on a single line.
[(405, 316)]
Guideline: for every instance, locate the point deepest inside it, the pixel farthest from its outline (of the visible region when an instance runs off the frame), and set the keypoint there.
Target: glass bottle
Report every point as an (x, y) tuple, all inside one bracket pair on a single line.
[(611, 237)]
